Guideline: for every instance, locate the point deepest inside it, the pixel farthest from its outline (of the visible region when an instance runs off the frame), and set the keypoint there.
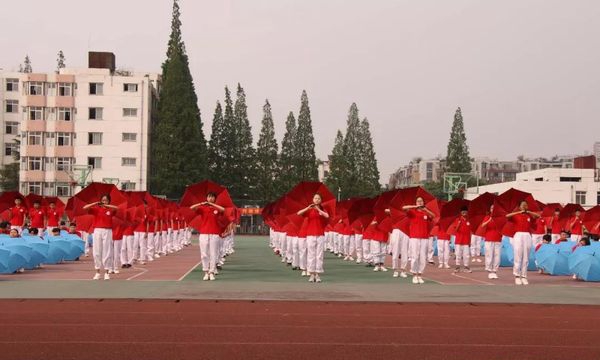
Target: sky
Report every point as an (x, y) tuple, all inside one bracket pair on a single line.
[(526, 73)]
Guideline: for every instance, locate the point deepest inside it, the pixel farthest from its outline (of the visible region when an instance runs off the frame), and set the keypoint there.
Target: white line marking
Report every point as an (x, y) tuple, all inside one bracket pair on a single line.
[(466, 278), (138, 274), (189, 271)]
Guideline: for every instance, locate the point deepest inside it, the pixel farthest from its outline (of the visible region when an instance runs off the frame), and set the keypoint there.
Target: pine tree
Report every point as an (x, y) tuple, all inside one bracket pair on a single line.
[(216, 149), (267, 169), (178, 149), (175, 43), (288, 158), (26, 67), (457, 159), (368, 170), (60, 61), (243, 184), (306, 165), (338, 167), (351, 183)]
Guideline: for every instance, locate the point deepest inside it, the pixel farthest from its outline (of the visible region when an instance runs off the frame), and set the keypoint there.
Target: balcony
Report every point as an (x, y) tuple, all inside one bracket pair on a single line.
[(61, 151), (35, 100), (33, 125), (32, 176)]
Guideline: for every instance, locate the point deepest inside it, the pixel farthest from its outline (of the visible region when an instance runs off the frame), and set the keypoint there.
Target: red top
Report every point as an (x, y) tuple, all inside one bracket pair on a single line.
[(315, 225), (378, 235), (577, 227), (53, 217), (102, 217), (151, 224), (492, 234), (556, 228), (538, 246), (540, 227), (463, 231), (209, 224), (142, 225), (522, 222), (419, 224), (37, 217), (175, 223), (18, 215), (442, 235), (128, 231)]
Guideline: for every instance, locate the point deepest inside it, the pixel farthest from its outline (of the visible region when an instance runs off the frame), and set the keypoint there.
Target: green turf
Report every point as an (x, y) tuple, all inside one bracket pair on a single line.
[(254, 261)]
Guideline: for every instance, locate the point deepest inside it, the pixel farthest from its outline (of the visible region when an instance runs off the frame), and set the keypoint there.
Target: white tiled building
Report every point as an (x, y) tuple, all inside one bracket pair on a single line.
[(92, 121)]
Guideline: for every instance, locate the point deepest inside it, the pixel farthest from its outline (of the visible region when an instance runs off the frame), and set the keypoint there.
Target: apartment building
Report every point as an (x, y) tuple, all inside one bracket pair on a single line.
[(79, 126)]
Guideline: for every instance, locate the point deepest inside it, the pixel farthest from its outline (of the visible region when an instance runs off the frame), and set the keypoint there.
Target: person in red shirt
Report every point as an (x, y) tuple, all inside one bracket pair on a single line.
[(73, 230), (493, 245), (103, 213), (555, 225), (562, 237), (316, 220), (127, 249), (140, 240), (17, 215), (37, 217), (419, 219), (523, 221), (52, 217), (462, 240), (209, 234), (303, 249), (379, 240), (576, 227), (539, 231), (443, 248)]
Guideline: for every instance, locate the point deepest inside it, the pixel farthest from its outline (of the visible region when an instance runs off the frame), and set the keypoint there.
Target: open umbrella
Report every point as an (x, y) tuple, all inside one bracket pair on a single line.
[(408, 196), (302, 194), (591, 221), (585, 263), (4, 261), (450, 212), (93, 193), (361, 214), (567, 214), (553, 261), (195, 194), (382, 204), (31, 198), (479, 208)]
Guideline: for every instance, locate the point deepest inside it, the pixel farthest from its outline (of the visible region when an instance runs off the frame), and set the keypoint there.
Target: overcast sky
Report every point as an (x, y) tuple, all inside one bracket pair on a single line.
[(526, 73)]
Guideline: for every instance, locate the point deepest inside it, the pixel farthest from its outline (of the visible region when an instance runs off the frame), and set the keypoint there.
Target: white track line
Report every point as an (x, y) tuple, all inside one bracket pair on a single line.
[(479, 281), (189, 271), (138, 274)]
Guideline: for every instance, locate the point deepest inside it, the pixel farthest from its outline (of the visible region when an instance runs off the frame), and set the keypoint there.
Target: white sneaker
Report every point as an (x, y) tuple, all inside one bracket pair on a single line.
[(206, 277), (358, 261), (106, 276), (518, 281), (283, 260), (115, 271), (490, 276), (479, 260), (574, 276), (403, 274), (383, 268), (211, 277), (376, 268), (156, 256), (524, 281), (345, 258), (495, 276), (421, 281), (97, 276), (304, 273), (440, 266), (317, 279), (396, 274), (350, 258), (446, 266), (311, 278), (142, 263), (415, 279)]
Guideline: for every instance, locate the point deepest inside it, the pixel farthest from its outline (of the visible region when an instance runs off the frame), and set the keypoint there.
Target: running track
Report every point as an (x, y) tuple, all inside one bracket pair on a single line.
[(161, 329)]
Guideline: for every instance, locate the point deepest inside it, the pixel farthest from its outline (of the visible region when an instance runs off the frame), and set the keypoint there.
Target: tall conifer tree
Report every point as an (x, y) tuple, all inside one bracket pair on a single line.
[(266, 158), (457, 158), (306, 165)]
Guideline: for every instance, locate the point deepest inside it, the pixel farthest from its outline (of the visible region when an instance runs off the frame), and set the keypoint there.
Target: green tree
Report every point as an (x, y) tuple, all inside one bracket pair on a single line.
[(287, 160), (457, 159), (306, 165), (178, 149), (338, 168), (60, 61), (267, 169), (351, 181), (9, 177), (367, 162), (26, 66), (243, 184), (217, 158)]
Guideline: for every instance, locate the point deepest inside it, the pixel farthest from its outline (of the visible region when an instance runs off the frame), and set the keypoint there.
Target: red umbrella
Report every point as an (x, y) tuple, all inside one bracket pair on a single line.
[(509, 202), (302, 195), (479, 208), (93, 193), (568, 212), (84, 223), (450, 212), (7, 199), (408, 196), (31, 198), (592, 220), (197, 193), (135, 198), (383, 203)]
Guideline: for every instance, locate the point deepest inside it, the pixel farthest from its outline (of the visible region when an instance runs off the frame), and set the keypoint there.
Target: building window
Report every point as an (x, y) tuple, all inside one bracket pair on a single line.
[(130, 87), (50, 139), (34, 138), (12, 128), (95, 114), (35, 88), (36, 113), (10, 149), (598, 198), (128, 161), (95, 162), (12, 106), (580, 197), (129, 137), (64, 114), (34, 163), (96, 88), (65, 89), (94, 138), (129, 112), (35, 188), (127, 186), (63, 163), (12, 84), (63, 189), (51, 89), (63, 139), (49, 164)]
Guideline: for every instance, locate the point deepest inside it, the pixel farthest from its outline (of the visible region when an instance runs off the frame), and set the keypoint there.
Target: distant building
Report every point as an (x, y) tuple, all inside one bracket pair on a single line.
[(323, 170)]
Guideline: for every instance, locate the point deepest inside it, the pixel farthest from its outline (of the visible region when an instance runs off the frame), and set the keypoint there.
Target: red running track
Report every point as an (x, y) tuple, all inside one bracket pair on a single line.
[(161, 329)]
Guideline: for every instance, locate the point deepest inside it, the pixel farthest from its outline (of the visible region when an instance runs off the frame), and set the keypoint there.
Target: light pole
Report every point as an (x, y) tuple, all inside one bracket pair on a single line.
[(339, 193)]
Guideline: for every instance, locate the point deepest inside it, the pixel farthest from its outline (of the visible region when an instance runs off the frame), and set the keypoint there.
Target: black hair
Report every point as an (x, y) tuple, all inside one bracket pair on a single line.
[(211, 194), (586, 240), (73, 224), (107, 197), (547, 237), (62, 223), (36, 202), (464, 208), (34, 231), (557, 210), (4, 225), (56, 230)]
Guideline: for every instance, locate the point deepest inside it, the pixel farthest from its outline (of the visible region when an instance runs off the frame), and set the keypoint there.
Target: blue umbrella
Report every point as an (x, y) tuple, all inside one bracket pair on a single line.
[(57, 251), (40, 248), (579, 255), (567, 246), (4, 261), (587, 267), (72, 251), (20, 249), (552, 260), (532, 260), (435, 252), (507, 256)]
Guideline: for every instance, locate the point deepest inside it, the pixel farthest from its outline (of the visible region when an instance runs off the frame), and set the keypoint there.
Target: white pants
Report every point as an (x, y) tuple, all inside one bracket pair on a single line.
[(404, 251), (430, 250), (140, 245), (521, 243), (475, 246), (315, 246), (418, 255), (443, 247), (302, 253), (366, 246), (209, 251), (537, 239), (337, 240), (102, 248), (117, 245), (282, 244), (378, 251), (462, 255), (395, 245), (127, 250), (295, 252), (575, 238), (289, 252), (492, 255), (150, 252), (358, 247), (349, 245), (555, 237)]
